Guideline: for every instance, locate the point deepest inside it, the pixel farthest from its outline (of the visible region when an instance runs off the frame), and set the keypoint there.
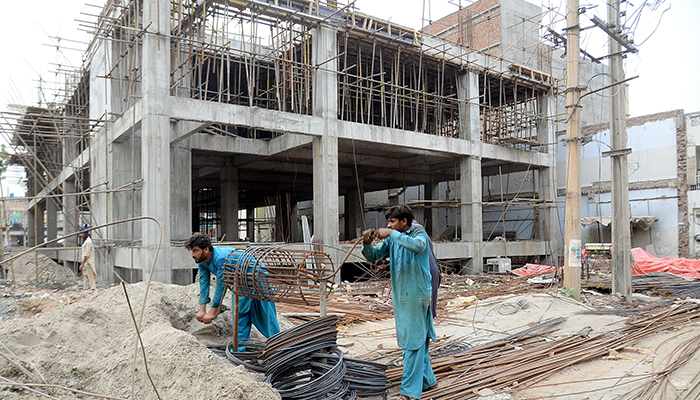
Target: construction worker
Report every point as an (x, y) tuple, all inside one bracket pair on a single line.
[(409, 263), (210, 260), (87, 266)]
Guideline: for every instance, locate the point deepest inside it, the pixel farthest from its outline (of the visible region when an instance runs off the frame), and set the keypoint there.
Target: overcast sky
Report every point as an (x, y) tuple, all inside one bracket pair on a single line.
[(664, 62)]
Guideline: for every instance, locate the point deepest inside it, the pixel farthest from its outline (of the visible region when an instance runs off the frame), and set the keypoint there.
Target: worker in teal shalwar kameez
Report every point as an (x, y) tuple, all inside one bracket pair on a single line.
[(210, 260), (408, 251)]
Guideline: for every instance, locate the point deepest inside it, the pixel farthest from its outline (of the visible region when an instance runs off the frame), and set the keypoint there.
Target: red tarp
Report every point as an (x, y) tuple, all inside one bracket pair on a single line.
[(644, 263), (533, 269)]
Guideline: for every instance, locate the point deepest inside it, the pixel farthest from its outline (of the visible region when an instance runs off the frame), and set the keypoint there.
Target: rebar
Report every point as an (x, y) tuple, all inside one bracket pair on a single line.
[(278, 274)]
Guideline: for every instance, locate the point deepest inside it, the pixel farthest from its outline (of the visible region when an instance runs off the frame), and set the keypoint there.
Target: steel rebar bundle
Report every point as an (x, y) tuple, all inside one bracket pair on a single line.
[(656, 387), (522, 360), (276, 274)]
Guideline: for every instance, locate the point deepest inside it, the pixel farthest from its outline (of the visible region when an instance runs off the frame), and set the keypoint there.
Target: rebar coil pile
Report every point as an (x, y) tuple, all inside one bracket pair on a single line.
[(303, 363), (278, 275)]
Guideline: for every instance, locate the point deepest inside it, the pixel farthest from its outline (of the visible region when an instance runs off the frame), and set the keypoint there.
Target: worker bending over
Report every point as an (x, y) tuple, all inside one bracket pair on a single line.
[(210, 260), (408, 251)]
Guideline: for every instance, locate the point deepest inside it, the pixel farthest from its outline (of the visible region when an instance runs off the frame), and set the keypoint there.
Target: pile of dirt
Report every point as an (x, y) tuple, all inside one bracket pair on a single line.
[(39, 269), (89, 345)]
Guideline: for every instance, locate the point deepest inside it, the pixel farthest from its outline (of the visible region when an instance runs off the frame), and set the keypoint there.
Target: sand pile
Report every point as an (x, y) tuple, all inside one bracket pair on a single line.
[(89, 345), (39, 269)]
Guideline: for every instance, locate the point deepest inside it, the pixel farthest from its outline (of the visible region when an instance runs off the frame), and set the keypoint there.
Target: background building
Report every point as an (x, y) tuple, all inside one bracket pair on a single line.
[(658, 183)]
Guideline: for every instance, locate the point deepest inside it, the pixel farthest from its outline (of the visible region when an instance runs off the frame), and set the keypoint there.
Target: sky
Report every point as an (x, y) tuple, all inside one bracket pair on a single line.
[(668, 38)]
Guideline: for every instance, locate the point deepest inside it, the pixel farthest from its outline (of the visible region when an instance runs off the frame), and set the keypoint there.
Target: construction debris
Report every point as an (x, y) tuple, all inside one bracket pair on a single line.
[(530, 356)]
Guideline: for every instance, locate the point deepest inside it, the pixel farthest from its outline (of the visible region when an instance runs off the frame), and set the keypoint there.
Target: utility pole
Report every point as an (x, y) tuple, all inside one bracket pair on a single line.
[(572, 229), (621, 237)]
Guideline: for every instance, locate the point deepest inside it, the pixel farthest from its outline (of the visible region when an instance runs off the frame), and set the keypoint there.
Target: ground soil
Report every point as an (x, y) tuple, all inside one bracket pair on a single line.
[(604, 379), (86, 340)]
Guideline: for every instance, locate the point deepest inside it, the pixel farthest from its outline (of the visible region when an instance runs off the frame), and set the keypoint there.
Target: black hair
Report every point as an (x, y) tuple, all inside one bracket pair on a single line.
[(400, 212), (198, 239)]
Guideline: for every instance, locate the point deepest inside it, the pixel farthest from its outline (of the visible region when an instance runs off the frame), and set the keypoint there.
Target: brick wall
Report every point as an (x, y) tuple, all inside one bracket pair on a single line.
[(682, 185), (478, 31)]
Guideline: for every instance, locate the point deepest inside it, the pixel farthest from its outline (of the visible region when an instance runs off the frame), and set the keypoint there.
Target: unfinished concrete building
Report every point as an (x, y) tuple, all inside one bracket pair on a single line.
[(190, 112), (522, 32)]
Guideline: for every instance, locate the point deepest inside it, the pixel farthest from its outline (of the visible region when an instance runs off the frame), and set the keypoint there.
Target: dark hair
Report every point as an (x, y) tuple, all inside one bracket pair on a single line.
[(400, 212), (198, 239)]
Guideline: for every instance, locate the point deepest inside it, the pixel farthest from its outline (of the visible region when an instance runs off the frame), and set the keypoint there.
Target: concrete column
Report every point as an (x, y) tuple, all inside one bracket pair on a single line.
[(51, 217), (470, 166), (432, 214), (325, 148), (41, 208), (354, 208), (180, 193), (229, 203), (250, 223), (195, 219), (295, 221), (31, 228), (284, 212), (547, 181), (70, 214), (155, 144)]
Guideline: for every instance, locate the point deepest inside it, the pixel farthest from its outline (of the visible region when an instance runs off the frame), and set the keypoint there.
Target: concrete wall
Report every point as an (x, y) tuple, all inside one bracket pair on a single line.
[(520, 28), (650, 143), (100, 88), (521, 44), (653, 177), (127, 164), (662, 203), (692, 125)]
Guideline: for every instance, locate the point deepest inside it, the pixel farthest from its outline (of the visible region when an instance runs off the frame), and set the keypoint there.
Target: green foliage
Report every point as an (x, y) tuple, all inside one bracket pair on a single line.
[(566, 292), (4, 159)]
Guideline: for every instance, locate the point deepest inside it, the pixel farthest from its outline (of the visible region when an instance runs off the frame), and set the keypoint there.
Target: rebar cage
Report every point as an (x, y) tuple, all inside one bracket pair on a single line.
[(279, 274)]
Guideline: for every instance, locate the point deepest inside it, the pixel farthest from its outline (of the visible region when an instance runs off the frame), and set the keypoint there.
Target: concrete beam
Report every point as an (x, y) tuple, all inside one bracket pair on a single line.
[(287, 142), (462, 250), (121, 129), (398, 137), (79, 162), (184, 129), (231, 114), (226, 144), (509, 154)]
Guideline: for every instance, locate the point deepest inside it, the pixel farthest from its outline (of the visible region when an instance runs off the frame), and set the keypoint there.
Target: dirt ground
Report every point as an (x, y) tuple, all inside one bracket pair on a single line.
[(483, 321), (86, 341)]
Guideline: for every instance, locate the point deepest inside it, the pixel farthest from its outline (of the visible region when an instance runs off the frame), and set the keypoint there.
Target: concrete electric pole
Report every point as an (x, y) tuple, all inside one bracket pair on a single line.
[(621, 237), (572, 229)]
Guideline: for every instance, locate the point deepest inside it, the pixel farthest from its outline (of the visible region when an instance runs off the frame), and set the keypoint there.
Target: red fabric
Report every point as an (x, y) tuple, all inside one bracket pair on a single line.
[(533, 269), (644, 263)]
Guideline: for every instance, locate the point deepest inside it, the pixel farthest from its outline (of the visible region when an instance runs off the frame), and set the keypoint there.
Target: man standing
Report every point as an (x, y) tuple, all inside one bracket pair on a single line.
[(210, 260), (88, 263), (408, 250)]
